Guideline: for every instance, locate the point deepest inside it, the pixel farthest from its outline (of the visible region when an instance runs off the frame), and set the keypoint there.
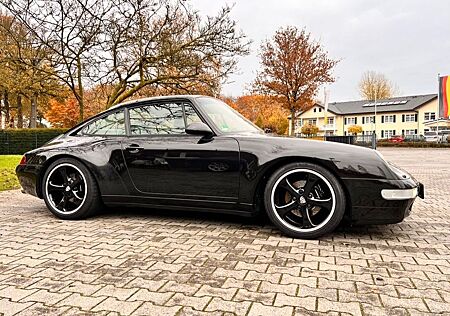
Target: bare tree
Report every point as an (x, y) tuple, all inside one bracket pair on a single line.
[(375, 86), (69, 31), (293, 68), (167, 46)]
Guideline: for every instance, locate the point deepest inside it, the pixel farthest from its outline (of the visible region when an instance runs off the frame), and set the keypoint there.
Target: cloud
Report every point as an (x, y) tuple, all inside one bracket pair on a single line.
[(407, 40)]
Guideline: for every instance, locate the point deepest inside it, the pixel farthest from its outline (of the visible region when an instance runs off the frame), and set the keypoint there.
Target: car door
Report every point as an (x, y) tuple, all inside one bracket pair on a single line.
[(168, 166)]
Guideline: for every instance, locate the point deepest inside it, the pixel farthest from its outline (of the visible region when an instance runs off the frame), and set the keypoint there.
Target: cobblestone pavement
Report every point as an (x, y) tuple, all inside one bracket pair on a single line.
[(167, 263)]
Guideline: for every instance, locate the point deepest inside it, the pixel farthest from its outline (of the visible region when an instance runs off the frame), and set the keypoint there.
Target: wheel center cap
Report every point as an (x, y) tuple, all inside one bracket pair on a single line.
[(67, 188), (302, 200)]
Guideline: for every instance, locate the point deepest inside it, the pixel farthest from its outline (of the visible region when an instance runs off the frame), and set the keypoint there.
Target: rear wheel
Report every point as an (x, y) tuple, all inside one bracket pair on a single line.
[(70, 191), (304, 200)]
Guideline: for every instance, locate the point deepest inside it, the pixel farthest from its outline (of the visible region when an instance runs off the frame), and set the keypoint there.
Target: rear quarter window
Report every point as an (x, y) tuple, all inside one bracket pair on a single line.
[(112, 124)]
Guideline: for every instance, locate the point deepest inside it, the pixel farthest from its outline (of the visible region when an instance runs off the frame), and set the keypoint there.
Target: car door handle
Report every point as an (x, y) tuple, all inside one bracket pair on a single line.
[(134, 149)]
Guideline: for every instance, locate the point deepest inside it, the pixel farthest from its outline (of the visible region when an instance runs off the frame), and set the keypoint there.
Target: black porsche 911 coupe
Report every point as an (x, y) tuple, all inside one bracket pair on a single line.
[(196, 153)]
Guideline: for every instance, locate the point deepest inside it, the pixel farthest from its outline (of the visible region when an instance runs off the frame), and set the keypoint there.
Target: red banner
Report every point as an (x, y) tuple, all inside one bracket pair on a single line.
[(444, 97)]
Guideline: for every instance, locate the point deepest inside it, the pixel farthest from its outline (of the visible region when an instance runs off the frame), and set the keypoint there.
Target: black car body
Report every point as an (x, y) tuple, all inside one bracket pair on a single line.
[(216, 171)]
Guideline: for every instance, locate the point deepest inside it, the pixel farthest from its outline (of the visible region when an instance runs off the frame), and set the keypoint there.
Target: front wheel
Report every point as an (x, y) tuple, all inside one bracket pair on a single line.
[(304, 200), (70, 191)]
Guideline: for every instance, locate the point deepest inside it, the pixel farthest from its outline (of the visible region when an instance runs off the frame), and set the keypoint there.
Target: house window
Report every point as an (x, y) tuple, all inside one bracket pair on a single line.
[(350, 121), (429, 116), (315, 110), (368, 119), (409, 118), (388, 119), (320, 109), (312, 121), (410, 132), (387, 133), (330, 120)]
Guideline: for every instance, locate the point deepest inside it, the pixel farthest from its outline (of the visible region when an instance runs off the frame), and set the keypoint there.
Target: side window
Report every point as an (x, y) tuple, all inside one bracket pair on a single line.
[(191, 115), (157, 119), (113, 124), (162, 119)]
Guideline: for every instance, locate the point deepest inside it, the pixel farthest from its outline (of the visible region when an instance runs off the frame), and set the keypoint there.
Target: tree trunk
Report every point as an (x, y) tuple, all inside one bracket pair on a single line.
[(6, 104), (292, 125), (19, 112), (1, 111), (33, 115), (80, 89)]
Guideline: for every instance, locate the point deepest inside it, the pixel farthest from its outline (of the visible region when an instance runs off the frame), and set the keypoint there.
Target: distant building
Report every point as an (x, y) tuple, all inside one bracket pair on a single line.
[(409, 115)]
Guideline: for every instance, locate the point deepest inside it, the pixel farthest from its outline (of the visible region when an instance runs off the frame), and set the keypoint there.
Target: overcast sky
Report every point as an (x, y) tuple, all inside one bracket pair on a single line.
[(407, 40)]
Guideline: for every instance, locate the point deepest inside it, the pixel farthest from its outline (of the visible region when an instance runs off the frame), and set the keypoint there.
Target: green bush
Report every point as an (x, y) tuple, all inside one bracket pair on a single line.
[(19, 141)]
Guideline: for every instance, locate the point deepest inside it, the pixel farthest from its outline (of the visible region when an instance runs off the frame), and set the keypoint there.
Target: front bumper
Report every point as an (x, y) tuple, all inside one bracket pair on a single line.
[(376, 201), (403, 194)]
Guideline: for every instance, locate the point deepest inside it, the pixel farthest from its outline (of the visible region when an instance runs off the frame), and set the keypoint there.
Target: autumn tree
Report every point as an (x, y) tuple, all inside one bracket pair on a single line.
[(70, 32), (309, 129), (264, 111), (293, 68), (25, 76), (355, 129), (130, 45), (63, 111), (376, 86)]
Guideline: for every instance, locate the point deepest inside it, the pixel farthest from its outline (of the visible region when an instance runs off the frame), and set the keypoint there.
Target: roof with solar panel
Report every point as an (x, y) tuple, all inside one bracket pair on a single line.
[(406, 103)]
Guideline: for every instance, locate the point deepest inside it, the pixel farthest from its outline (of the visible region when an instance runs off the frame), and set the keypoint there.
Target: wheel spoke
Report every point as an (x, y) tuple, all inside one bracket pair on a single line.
[(76, 182), (288, 187), (322, 203), (63, 172), (75, 194), (61, 203), (285, 209), (306, 220), (311, 181), (55, 187)]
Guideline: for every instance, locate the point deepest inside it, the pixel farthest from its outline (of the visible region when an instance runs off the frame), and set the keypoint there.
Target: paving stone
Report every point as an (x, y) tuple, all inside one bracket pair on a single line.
[(237, 308), (149, 263), (83, 302), (114, 305), (156, 310), (259, 309)]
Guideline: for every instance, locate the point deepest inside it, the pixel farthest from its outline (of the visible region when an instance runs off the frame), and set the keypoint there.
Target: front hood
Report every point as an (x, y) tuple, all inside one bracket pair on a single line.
[(349, 161)]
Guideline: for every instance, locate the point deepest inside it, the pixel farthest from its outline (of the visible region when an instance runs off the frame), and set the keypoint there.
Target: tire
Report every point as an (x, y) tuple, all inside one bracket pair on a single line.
[(63, 202), (296, 185)]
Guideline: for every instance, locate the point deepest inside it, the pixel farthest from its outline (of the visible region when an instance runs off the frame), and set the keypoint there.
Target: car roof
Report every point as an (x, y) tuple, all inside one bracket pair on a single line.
[(167, 97), (191, 97)]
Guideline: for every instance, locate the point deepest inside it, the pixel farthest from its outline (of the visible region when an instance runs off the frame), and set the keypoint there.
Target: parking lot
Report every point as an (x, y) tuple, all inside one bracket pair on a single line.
[(151, 262)]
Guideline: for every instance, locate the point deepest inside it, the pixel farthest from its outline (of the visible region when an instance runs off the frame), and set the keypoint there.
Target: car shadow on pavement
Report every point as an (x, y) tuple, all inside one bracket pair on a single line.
[(260, 221)]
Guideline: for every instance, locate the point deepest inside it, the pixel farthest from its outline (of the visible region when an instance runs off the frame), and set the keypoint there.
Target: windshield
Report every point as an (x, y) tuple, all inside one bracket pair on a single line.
[(226, 119), (430, 133)]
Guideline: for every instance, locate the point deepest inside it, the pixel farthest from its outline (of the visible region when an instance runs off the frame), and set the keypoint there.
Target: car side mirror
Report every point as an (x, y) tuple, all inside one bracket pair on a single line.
[(199, 128)]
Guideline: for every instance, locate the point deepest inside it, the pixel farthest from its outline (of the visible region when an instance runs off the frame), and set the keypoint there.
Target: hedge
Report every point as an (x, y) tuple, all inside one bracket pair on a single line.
[(413, 144), (19, 141)]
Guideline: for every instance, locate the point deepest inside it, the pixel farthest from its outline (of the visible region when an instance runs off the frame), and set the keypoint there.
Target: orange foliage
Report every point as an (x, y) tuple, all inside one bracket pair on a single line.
[(66, 113), (264, 111), (62, 114)]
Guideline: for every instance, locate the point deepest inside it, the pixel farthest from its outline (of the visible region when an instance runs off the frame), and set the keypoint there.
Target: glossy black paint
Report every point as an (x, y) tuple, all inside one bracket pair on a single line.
[(218, 172)]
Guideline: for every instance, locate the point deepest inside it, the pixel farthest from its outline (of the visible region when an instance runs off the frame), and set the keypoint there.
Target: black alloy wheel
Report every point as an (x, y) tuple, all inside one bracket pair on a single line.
[(70, 191), (304, 200)]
